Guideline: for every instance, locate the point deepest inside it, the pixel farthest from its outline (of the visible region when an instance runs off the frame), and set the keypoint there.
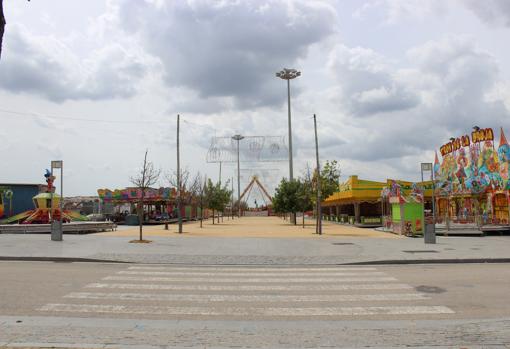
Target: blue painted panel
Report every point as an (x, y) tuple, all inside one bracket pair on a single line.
[(21, 198)]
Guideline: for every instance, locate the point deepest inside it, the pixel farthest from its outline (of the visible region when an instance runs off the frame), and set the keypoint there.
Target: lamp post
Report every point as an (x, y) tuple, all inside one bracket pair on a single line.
[(238, 138), (429, 233), (56, 226), (289, 74)]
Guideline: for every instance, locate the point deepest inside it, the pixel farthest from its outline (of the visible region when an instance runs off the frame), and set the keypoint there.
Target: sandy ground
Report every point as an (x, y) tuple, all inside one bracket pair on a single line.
[(253, 227)]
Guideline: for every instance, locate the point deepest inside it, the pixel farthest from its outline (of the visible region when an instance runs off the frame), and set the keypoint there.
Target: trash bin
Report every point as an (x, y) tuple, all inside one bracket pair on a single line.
[(430, 233)]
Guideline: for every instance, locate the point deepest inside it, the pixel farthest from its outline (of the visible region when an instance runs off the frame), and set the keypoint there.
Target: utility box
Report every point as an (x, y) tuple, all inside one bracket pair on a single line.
[(430, 233)]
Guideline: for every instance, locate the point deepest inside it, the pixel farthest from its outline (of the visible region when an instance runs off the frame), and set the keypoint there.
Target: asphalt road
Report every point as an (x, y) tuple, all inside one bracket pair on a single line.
[(98, 305)]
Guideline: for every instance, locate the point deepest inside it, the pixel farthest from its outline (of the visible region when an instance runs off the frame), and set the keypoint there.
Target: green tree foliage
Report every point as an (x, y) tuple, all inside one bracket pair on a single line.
[(288, 196), (330, 178), (217, 196)]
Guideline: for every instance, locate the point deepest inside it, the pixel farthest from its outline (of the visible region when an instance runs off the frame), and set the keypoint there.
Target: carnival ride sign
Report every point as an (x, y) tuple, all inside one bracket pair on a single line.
[(477, 136), (472, 165)]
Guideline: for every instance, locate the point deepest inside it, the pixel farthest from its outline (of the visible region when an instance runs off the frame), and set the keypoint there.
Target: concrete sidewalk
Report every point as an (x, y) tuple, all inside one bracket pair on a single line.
[(326, 250)]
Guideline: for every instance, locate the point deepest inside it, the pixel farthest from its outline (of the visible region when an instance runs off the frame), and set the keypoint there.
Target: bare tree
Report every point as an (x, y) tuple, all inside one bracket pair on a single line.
[(2, 24), (147, 177), (203, 199), (189, 190)]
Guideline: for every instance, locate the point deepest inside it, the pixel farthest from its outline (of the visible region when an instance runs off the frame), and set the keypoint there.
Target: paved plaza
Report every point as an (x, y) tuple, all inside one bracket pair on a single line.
[(255, 227), (254, 241)]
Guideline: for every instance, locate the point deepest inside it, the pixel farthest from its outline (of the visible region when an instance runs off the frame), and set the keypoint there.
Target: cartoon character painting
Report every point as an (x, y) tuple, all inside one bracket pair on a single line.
[(504, 158), (462, 165)]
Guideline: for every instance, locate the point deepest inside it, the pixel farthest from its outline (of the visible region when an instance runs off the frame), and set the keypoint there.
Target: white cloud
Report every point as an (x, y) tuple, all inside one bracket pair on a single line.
[(46, 66), (367, 83), (398, 10)]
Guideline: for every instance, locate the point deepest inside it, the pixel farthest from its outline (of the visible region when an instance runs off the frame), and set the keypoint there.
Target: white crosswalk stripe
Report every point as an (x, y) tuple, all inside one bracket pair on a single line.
[(251, 287), (249, 274), (205, 298), (247, 311), (249, 292), (283, 270), (251, 280)]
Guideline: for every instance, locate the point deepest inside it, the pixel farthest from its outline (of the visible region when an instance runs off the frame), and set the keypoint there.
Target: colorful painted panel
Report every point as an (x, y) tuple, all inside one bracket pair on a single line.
[(473, 166), (135, 194)]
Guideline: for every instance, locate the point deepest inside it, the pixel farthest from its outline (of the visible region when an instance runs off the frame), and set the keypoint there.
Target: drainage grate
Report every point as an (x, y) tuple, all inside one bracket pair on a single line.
[(420, 251), (342, 243)]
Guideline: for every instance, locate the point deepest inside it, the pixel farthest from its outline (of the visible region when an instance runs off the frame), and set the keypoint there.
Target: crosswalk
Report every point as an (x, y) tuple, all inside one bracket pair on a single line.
[(248, 293)]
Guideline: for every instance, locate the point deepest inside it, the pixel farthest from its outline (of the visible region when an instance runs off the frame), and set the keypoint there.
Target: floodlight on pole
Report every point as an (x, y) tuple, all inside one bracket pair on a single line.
[(289, 74), (238, 138)]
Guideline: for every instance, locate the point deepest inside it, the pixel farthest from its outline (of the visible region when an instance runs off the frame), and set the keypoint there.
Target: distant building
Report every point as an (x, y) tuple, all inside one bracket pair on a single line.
[(17, 198)]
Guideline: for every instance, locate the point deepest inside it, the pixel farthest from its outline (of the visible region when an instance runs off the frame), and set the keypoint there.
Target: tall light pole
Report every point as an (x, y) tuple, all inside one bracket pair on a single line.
[(318, 225), (179, 203), (238, 138), (289, 74)]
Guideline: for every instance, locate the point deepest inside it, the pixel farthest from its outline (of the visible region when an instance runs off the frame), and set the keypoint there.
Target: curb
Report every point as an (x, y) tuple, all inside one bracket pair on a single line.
[(433, 261), (378, 262), (59, 259)]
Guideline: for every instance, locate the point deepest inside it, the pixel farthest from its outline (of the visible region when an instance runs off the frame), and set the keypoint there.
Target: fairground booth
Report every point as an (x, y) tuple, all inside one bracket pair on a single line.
[(158, 205), (405, 206), (472, 182), (359, 202)]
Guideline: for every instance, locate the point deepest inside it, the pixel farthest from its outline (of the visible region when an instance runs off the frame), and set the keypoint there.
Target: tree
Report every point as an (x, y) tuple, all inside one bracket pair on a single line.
[(2, 24), (330, 178), (306, 194), (243, 204), (189, 191), (218, 196), (288, 197), (203, 199), (147, 177)]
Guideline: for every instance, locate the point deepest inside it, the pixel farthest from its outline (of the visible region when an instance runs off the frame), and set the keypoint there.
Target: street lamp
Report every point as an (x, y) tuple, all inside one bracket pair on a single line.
[(56, 226), (289, 74), (238, 138)]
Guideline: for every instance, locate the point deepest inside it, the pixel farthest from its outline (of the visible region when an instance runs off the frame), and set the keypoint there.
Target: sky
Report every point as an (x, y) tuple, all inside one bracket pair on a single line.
[(96, 83)]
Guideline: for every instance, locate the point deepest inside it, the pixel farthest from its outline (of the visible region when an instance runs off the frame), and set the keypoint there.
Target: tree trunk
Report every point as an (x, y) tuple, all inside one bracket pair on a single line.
[(2, 25), (140, 219), (213, 218), (201, 215), (303, 219)]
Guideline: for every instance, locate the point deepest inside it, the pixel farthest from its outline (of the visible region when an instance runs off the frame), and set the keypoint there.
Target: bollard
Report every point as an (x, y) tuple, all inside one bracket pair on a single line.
[(430, 234), (166, 225)]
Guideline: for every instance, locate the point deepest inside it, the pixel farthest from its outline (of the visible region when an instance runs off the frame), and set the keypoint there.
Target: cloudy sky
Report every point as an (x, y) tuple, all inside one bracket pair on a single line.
[(97, 82)]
